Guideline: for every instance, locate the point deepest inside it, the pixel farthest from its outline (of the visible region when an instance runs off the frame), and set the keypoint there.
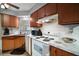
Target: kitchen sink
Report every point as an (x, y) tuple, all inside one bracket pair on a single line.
[(68, 40)]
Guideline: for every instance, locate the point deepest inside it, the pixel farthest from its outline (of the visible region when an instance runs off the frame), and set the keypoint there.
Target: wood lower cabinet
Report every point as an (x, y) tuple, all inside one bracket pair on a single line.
[(10, 43), (5, 44), (18, 41), (58, 52)]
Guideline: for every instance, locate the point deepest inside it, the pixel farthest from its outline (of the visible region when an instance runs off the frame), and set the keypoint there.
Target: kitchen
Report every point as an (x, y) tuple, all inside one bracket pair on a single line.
[(58, 25)]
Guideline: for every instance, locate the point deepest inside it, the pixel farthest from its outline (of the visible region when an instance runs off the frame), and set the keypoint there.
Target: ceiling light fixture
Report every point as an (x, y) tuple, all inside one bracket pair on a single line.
[(7, 6), (4, 6)]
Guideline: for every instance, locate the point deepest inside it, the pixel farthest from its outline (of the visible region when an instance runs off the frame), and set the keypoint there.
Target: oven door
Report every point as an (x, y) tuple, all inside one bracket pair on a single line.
[(39, 48)]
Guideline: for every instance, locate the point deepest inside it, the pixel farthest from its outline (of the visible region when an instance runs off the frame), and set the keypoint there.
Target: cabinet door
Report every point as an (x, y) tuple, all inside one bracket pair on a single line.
[(76, 13), (58, 52), (9, 21), (39, 25), (55, 51), (65, 13), (34, 16), (6, 20), (50, 9), (41, 12), (11, 43), (18, 42), (33, 24), (52, 51), (13, 21), (5, 43)]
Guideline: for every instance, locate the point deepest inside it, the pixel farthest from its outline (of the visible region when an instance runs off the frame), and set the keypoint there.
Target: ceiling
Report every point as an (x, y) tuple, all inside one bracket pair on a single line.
[(23, 6)]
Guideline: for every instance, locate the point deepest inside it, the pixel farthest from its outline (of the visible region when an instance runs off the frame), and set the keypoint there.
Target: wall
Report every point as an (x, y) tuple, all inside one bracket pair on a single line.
[(12, 30), (0, 34)]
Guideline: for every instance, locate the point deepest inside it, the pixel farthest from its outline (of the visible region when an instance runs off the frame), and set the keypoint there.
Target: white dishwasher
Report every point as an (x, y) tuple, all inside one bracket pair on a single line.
[(39, 48)]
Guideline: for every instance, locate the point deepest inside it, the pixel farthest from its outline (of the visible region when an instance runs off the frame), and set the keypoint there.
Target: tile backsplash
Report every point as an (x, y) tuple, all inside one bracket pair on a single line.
[(55, 29), (12, 30)]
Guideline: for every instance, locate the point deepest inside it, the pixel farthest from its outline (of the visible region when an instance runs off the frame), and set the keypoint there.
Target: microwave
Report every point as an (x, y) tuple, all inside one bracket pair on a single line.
[(34, 32)]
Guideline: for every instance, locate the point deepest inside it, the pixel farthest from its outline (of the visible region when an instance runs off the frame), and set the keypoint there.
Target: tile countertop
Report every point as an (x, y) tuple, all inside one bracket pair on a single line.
[(57, 42)]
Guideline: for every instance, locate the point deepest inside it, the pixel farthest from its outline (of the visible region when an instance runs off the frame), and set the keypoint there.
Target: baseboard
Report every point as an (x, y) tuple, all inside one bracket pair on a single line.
[(4, 51)]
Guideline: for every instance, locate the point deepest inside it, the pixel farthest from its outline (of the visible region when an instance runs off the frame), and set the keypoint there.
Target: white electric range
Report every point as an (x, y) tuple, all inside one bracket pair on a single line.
[(39, 48)]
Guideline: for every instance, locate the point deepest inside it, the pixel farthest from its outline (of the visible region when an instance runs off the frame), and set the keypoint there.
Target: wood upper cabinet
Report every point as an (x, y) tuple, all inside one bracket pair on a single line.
[(65, 13), (68, 13), (76, 13), (5, 21), (58, 52), (9, 21), (34, 24), (14, 22), (50, 9), (41, 12), (46, 10), (34, 16)]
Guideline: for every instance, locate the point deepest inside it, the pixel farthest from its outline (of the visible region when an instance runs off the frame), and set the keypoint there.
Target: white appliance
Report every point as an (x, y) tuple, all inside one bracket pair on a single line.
[(39, 48)]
